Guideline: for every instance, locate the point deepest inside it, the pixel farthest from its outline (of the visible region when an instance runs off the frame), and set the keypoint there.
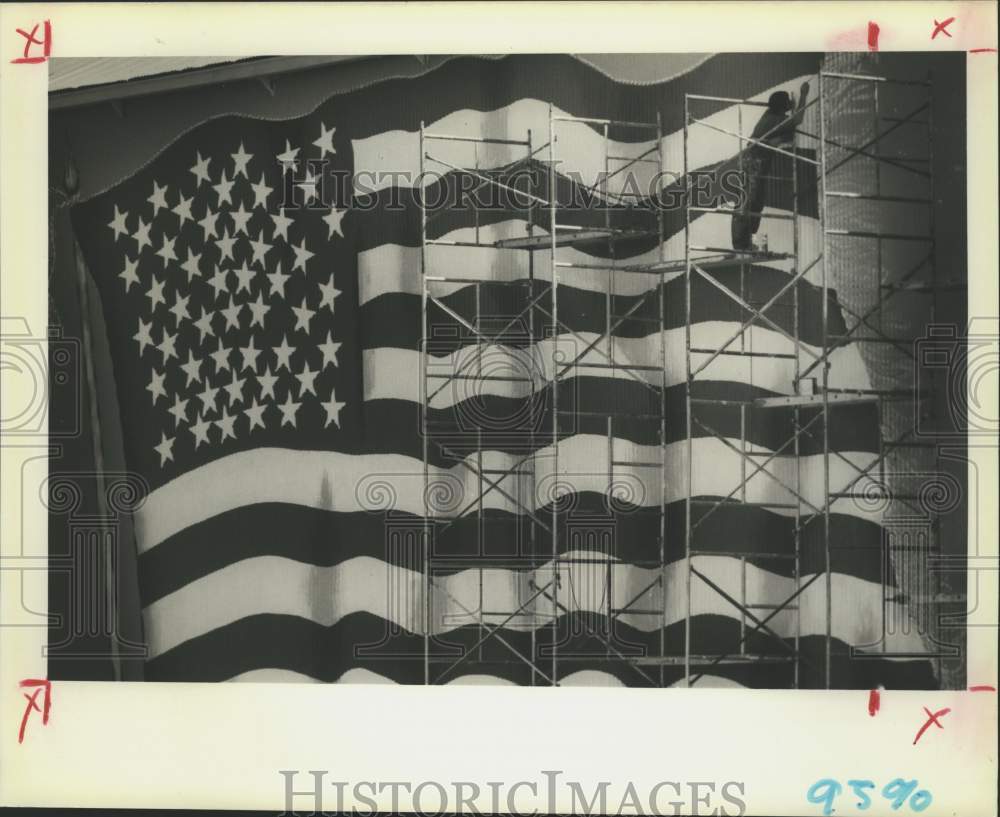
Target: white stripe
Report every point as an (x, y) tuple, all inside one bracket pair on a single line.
[(394, 268), (395, 374), (340, 482), (358, 675), (580, 149), (325, 595)]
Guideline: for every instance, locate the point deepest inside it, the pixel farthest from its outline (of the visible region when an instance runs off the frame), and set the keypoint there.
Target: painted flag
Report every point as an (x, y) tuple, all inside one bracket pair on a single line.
[(261, 287)]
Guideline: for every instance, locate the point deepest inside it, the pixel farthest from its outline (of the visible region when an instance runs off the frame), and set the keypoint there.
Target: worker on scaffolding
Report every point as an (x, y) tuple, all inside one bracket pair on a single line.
[(775, 127)]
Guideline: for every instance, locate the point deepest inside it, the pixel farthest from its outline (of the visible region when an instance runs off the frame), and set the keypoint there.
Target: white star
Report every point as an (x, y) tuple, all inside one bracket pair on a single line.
[(155, 386), (208, 398), (235, 390), (200, 431), (225, 425), (232, 316), (281, 222), (283, 354), (307, 381), (118, 223), (180, 308), (167, 345), (308, 187), (267, 381), (179, 410), (142, 234), (240, 218), (333, 219), (209, 224), (277, 280), (249, 354), (155, 293), (204, 324), (325, 141), (200, 169), (164, 449), (166, 251), (143, 335), (158, 199), (240, 160), (288, 158), (333, 407), (254, 415), (225, 189), (192, 369), (302, 316), (130, 275), (218, 281), (221, 358), (258, 309), (329, 350), (183, 209), (288, 409), (328, 294), (226, 245), (260, 193), (260, 249), (244, 275), (301, 256), (190, 265)]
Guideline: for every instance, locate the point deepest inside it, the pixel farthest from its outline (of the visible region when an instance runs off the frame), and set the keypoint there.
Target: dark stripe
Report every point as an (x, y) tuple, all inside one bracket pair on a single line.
[(498, 538), (520, 425), (392, 215), (569, 84), (364, 641), (394, 319)]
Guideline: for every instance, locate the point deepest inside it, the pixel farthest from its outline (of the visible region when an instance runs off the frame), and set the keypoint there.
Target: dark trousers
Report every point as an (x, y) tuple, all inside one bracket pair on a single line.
[(746, 219)]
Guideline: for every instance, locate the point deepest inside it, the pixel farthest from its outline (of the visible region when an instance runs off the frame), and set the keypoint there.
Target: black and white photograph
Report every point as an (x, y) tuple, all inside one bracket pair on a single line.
[(504, 368), (539, 369)]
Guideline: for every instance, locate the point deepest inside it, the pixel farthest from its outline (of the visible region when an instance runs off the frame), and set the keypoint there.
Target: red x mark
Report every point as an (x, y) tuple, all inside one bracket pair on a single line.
[(942, 28), (30, 40), (931, 718), (42, 686)]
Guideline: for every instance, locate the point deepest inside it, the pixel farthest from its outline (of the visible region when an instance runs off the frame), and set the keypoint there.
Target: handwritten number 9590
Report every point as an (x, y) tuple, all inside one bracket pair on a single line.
[(824, 792)]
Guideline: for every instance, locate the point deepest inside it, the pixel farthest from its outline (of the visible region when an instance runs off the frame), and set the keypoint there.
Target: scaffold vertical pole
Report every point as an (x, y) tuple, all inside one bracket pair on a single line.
[(796, 415), (426, 611), (824, 278), (687, 404), (536, 404), (553, 243), (661, 255)]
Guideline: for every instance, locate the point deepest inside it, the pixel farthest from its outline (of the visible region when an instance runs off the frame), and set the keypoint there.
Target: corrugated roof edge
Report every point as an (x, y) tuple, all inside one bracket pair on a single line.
[(250, 68)]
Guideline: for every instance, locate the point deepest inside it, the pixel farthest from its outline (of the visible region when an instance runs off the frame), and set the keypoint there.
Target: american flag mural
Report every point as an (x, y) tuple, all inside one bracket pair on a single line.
[(261, 287)]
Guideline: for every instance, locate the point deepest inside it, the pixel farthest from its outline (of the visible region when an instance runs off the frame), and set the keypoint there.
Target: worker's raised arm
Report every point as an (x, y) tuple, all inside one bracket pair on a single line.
[(800, 109)]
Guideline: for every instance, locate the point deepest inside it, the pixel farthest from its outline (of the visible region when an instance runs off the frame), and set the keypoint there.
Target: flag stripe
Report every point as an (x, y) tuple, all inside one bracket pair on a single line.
[(581, 146), (396, 373), (581, 678), (363, 584), (629, 533), (342, 482), (395, 319), (288, 642), (389, 267), (587, 403)]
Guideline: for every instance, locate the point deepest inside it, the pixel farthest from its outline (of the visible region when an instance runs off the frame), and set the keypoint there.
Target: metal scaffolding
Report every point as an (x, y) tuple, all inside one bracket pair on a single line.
[(458, 349)]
